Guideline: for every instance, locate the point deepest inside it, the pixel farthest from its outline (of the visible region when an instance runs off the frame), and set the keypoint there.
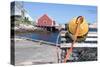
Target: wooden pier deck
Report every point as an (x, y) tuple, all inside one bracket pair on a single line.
[(91, 41)]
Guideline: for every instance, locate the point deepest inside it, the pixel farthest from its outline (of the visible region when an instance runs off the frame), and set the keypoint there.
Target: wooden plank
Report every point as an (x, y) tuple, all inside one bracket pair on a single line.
[(65, 45), (91, 41), (63, 39)]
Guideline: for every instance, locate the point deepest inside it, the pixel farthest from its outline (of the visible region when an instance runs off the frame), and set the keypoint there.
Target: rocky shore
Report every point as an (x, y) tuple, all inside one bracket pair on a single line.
[(22, 29)]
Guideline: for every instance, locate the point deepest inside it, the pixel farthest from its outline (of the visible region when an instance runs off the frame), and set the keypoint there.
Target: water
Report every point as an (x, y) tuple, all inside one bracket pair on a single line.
[(50, 37)]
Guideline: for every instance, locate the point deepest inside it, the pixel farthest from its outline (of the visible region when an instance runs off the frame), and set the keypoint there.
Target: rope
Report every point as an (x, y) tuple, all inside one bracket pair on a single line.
[(57, 47), (72, 45)]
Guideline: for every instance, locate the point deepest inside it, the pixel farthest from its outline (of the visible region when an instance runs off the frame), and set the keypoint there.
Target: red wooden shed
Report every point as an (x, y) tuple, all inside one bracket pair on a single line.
[(46, 21)]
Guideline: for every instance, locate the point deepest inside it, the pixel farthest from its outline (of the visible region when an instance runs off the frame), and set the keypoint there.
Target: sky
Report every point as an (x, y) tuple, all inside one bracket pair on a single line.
[(61, 13)]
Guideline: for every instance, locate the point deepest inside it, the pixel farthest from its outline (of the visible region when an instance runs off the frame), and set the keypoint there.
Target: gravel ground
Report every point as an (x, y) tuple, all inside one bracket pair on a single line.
[(29, 52)]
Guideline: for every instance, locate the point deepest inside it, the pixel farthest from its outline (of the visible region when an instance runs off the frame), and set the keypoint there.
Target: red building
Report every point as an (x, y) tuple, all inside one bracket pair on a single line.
[(45, 21)]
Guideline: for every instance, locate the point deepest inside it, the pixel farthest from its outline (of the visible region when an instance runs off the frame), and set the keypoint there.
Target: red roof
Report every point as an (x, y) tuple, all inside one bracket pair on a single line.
[(45, 20)]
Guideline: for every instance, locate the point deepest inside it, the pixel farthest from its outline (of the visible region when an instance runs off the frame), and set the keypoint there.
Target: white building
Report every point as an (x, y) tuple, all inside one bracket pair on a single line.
[(18, 10)]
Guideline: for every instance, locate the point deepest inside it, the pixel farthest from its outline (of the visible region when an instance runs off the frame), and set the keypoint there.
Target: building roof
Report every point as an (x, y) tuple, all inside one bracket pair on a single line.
[(45, 15)]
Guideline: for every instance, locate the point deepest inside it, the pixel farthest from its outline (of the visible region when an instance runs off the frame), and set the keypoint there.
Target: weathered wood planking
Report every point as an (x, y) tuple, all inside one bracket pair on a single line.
[(91, 41)]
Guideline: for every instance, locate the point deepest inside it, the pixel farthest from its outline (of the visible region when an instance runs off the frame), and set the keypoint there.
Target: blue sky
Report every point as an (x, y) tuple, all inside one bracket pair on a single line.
[(61, 13)]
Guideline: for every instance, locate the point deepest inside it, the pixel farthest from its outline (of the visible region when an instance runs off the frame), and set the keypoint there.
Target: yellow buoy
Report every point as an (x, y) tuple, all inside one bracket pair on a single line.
[(83, 27)]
